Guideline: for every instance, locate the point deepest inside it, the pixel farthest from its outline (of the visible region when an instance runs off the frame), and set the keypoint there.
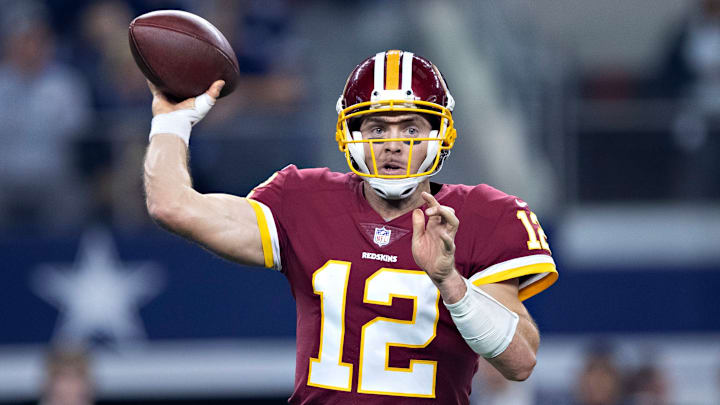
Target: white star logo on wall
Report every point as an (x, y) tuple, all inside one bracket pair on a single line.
[(98, 295)]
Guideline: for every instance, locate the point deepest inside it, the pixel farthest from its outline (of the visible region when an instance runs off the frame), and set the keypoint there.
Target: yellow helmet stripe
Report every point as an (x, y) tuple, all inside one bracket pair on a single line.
[(392, 66)]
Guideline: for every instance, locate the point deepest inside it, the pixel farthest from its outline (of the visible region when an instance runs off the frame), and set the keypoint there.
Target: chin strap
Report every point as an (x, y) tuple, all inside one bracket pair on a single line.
[(394, 189)]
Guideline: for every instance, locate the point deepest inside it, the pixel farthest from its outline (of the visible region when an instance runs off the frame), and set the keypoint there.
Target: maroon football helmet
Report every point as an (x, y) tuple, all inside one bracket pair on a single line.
[(395, 81)]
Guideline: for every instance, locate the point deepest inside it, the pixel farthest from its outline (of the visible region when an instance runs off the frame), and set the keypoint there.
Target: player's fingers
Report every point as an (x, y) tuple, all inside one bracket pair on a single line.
[(433, 211), (449, 216), (429, 199), (204, 102), (215, 88), (446, 214), (434, 208), (160, 103), (155, 91), (448, 242), (418, 219), (152, 87)]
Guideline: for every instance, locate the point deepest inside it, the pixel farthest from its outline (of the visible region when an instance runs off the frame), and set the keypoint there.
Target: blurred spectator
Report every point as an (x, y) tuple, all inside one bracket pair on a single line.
[(111, 152), (269, 105), (647, 386), (600, 382), (104, 56), (691, 74), (692, 64), (269, 57), (45, 108), (491, 388), (68, 379)]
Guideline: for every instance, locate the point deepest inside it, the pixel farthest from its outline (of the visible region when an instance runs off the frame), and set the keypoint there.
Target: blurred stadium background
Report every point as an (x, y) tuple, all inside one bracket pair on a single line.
[(604, 115)]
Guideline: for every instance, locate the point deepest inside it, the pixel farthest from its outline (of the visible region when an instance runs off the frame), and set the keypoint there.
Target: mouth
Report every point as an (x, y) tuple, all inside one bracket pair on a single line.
[(392, 168)]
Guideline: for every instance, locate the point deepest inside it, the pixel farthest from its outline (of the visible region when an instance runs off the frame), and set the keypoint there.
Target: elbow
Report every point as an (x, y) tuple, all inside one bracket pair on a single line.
[(520, 375), (167, 214), (522, 370)]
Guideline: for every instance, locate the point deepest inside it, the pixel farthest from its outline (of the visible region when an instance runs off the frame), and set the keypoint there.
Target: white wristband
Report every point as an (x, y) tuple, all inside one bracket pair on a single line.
[(171, 123), (486, 325), (180, 122)]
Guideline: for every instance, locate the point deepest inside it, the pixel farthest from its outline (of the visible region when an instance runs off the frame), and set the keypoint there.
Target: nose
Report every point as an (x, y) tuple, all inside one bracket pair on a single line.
[(392, 145)]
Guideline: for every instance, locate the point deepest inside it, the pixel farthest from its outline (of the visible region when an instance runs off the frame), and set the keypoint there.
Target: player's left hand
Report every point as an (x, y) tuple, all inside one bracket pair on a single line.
[(433, 246)]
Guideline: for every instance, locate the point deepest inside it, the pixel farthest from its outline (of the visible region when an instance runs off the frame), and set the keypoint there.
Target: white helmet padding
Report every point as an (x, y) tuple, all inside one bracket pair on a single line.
[(432, 151), (357, 151)]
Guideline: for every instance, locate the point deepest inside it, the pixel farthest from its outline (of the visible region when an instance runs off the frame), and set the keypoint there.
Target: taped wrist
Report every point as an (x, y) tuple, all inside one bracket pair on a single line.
[(486, 325), (180, 122)]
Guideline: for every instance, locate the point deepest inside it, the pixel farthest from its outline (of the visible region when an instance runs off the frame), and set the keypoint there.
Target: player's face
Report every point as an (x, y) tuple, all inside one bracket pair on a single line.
[(392, 156)]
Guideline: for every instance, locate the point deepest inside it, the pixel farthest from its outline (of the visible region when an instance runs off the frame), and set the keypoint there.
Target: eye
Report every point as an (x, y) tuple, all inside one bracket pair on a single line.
[(412, 132), (376, 133)]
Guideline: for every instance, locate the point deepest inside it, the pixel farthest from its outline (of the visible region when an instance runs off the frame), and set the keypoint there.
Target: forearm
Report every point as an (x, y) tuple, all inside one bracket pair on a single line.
[(486, 324), (167, 181), (518, 360), (166, 177)]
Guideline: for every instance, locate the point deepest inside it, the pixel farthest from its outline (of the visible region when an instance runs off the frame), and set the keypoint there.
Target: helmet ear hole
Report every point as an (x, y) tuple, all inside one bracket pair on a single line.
[(354, 124)]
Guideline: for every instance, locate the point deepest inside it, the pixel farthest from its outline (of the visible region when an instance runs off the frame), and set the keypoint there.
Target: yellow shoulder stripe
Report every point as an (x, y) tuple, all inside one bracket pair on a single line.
[(264, 233)]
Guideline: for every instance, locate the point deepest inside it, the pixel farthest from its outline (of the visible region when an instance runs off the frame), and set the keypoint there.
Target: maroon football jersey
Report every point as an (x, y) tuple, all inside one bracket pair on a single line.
[(371, 326)]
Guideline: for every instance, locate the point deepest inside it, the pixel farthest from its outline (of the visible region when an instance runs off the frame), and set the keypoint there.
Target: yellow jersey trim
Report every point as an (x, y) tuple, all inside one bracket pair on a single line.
[(529, 290), (264, 234)]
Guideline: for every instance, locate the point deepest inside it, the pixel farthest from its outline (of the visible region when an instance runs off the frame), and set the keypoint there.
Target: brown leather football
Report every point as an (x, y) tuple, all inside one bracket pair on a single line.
[(182, 54)]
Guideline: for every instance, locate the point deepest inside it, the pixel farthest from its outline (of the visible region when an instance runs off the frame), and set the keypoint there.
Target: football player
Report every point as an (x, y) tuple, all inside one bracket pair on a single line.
[(401, 283)]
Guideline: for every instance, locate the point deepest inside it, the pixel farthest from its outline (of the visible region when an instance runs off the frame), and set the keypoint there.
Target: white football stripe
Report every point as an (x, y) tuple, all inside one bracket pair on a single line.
[(380, 71), (407, 70)]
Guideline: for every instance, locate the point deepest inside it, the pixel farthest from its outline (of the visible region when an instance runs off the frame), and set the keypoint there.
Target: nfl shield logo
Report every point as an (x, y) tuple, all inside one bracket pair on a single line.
[(382, 236)]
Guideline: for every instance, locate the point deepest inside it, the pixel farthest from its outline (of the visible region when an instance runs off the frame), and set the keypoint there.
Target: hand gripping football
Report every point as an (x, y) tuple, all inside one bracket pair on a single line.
[(182, 54)]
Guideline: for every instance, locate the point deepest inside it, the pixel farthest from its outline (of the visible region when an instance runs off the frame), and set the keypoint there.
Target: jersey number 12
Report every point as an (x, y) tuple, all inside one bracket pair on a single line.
[(375, 376)]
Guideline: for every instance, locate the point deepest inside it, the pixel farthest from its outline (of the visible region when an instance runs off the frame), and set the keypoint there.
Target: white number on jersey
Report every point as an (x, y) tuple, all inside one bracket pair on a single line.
[(375, 375)]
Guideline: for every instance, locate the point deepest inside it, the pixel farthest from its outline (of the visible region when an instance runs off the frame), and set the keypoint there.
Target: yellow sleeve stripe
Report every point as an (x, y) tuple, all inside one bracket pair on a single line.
[(547, 271), (264, 234), (539, 285)]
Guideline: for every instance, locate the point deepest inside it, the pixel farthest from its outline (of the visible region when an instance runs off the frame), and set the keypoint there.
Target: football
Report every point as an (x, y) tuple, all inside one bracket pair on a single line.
[(182, 54)]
